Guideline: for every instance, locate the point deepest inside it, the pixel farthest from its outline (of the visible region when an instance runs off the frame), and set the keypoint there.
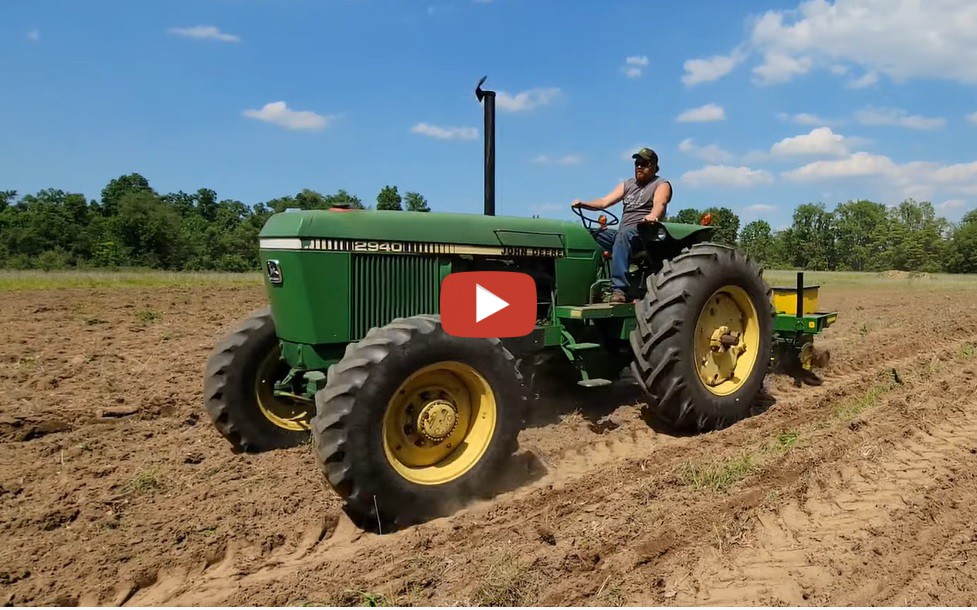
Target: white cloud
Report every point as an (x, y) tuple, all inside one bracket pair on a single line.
[(897, 39), (445, 133), (897, 118), (631, 72), (709, 112), (637, 60), (34, 35), (711, 68), (820, 141), (857, 164), (205, 32), (951, 204), (780, 67), (760, 207), (278, 113), (722, 175), (803, 118), (564, 160), (866, 80), (920, 179), (900, 39), (710, 153), (526, 100), (972, 118)]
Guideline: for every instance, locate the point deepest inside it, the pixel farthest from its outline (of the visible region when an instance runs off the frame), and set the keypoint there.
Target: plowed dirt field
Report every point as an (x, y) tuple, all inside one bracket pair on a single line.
[(116, 490)]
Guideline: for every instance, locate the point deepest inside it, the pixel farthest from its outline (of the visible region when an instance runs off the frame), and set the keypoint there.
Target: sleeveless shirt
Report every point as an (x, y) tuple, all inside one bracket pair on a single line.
[(638, 200)]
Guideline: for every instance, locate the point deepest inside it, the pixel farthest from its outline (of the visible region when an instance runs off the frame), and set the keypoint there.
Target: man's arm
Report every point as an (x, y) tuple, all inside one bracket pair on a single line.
[(663, 194), (604, 202)]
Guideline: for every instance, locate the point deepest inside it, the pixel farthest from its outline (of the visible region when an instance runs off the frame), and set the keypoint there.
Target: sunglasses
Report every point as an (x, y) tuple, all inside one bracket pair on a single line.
[(642, 163)]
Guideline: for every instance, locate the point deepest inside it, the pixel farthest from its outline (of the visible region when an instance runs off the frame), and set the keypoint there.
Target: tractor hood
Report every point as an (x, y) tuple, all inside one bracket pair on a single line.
[(356, 229)]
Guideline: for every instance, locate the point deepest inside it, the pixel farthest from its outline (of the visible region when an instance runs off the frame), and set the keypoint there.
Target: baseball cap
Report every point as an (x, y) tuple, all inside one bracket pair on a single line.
[(647, 154)]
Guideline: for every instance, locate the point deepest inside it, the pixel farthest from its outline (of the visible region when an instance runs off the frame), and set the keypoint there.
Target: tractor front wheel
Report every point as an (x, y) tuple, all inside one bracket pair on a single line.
[(239, 390), (704, 336), (413, 422)]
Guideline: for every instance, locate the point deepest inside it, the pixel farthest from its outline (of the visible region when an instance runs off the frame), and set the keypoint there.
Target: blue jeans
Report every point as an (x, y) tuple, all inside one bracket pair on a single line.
[(619, 242)]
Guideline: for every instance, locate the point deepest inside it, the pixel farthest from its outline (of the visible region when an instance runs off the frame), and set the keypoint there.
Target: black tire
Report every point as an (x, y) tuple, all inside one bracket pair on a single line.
[(348, 429), (230, 396), (663, 341)]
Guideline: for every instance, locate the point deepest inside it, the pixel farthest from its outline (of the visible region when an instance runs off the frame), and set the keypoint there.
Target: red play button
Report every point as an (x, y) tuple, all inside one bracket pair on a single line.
[(488, 304)]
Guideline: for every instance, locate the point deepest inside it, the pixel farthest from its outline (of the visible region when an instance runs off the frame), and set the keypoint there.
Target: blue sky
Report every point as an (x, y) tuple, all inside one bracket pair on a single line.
[(759, 106)]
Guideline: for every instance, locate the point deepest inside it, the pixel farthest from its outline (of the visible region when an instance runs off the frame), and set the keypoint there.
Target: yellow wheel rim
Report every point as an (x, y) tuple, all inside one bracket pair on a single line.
[(439, 423), (727, 338), (289, 414)]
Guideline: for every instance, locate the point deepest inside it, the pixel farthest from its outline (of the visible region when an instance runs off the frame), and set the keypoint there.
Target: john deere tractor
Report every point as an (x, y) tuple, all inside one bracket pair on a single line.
[(406, 420)]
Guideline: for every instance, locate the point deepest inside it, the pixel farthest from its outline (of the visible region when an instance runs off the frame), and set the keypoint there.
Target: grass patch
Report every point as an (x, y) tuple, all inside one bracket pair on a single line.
[(858, 405), (968, 350), (366, 598), (781, 277), (507, 583), (147, 315), (14, 280), (786, 440), (719, 475), (145, 482)]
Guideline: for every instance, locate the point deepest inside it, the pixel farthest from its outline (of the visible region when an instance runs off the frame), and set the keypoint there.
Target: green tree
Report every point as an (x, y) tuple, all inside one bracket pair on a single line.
[(6, 199), (687, 216), (757, 241), (861, 234), (148, 231), (343, 198), (416, 202), (389, 199), (962, 249), (118, 188), (727, 224), (916, 237), (810, 241)]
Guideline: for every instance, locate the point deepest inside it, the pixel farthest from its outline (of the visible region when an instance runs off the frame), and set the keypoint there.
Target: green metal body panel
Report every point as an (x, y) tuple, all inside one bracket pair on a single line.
[(344, 272), (427, 227), (789, 325), (678, 231)]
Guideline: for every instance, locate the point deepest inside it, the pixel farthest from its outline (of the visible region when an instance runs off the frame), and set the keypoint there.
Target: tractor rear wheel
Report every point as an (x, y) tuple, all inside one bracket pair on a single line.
[(703, 341), (414, 422), (239, 390)]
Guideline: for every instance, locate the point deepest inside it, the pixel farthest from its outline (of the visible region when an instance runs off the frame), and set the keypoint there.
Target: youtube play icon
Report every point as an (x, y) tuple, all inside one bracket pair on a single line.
[(488, 304)]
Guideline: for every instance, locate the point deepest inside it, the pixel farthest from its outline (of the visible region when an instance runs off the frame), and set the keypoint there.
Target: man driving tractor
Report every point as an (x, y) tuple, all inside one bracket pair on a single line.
[(646, 198)]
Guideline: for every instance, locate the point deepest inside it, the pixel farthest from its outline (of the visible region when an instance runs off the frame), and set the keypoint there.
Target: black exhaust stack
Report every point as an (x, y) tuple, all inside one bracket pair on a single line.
[(489, 106)]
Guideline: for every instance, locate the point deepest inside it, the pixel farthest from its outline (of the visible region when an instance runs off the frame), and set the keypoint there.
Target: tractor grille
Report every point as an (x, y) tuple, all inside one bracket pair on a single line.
[(384, 287)]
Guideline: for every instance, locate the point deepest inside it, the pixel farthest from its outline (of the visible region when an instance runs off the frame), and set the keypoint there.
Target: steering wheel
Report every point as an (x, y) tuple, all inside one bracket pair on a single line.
[(596, 224)]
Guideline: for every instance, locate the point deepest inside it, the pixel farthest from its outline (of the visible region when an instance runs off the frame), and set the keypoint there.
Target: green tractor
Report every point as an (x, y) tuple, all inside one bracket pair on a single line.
[(407, 421)]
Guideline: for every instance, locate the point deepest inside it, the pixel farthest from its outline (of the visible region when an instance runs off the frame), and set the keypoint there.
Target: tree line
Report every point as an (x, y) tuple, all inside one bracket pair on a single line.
[(857, 235), (132, 225)]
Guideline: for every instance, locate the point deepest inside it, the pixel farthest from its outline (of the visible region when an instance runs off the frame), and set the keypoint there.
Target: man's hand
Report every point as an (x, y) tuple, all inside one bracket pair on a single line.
[(604, 202)]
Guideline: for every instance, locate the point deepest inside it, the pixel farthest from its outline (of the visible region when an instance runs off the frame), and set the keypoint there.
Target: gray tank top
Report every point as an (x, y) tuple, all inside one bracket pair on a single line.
[(638, 201)]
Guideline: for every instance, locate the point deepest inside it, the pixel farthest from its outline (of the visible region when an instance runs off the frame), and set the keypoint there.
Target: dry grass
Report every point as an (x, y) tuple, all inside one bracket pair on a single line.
[(48, 280)]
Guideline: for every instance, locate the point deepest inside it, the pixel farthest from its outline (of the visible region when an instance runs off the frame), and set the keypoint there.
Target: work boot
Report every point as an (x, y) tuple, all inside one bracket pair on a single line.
[(618, 296)]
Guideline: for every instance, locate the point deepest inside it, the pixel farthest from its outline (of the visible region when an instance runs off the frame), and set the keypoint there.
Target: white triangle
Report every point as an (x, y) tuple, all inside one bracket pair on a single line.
[(486, 303)]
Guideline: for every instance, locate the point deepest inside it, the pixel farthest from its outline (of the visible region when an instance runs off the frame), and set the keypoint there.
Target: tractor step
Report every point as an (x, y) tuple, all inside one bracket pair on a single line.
[(577, 347), (594, 383), (597, 310)]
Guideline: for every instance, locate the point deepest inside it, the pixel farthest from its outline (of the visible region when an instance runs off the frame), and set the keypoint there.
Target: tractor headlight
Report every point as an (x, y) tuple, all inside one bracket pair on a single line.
[(660, 234)]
